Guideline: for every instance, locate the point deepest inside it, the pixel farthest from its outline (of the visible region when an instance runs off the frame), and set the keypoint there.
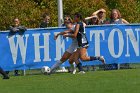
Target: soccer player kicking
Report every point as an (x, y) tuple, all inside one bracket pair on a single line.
[(83, 44), (69, 52)]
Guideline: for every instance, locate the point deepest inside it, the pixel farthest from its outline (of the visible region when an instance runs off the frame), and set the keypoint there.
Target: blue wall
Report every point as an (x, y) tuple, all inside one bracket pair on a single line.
[(37, 47)]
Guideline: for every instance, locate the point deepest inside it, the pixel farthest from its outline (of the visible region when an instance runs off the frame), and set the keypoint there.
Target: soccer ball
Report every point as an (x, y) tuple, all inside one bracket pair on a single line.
[(45, 69)]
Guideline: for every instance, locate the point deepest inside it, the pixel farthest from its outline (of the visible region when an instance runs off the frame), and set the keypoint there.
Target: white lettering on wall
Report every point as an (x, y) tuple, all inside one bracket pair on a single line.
[(38, 47), (135, 42), (21, 44), (97, 34), (60, 47), (111, 43)]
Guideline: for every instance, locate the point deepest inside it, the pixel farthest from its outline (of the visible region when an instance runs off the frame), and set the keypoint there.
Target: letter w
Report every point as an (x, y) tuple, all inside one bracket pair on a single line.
[(22, 47)]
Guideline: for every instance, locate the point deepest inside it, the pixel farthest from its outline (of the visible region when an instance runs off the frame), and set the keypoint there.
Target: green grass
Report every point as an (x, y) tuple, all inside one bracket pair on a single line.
[(117, 81)]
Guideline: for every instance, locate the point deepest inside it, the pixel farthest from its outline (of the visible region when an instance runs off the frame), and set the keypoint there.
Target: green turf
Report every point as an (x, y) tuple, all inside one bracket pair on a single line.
[(118, 81)]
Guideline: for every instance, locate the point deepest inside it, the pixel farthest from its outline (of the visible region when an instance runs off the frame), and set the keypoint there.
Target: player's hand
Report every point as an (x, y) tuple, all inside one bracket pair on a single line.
[(15, 30), (103, 10), (55, 37), (65, 35)]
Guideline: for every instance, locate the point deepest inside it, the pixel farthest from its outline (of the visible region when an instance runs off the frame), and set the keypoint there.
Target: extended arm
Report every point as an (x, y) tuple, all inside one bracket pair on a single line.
[(22, 28), (62, 33), (74, 35), (87, 18), (96, 12), (13, 29)]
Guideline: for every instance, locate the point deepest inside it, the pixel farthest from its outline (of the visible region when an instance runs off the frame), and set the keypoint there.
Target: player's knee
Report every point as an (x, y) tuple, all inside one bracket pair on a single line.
[(64, 58), (71, 60), (82, 58)]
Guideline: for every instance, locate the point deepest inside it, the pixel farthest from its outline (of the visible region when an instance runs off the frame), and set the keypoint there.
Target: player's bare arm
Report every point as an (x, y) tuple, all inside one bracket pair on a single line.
[(73, 35), (62, 33)]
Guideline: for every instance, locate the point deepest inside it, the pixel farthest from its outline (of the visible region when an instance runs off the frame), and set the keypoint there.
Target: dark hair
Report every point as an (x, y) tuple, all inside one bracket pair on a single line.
[(69, 18), (118, 12), (45, 14), (96, 23), (79, 16)]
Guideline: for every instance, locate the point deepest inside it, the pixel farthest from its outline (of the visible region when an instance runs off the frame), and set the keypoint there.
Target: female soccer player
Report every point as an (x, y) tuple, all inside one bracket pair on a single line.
[(83, 44), (70, 51)]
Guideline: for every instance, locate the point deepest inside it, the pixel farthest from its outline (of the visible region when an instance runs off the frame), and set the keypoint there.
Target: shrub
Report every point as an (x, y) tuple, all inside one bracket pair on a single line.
[(30, 11)]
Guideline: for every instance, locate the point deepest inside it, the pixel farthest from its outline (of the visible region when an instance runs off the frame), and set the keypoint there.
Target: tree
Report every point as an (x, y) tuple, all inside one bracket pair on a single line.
[(25, 10), (30, 11)]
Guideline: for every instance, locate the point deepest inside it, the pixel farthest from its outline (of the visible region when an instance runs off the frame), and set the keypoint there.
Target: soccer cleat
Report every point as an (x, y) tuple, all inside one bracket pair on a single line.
[(82, 72), (101, 58), (74, 71)]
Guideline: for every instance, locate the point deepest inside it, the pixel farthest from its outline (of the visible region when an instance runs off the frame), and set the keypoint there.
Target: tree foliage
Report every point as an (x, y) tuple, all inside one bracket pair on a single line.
[(30, 11)]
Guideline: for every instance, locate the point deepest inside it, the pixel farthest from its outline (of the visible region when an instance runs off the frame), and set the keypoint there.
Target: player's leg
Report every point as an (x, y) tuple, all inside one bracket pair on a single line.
[(84, 57), (83, 54), (72, 68), (72, 63), (75, 58), (65, 56), (5, 76), (79, 66)]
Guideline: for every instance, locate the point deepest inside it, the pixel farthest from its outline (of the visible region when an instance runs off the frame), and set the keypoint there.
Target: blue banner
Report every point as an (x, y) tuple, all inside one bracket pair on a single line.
[(37, 47)]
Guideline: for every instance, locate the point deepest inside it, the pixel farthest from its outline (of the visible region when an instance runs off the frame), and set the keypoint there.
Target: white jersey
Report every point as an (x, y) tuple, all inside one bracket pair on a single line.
[(74, 40), (73, 47)]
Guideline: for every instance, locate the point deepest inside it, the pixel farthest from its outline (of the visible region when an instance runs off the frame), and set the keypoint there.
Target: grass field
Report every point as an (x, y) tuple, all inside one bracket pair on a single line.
[(117, 81)]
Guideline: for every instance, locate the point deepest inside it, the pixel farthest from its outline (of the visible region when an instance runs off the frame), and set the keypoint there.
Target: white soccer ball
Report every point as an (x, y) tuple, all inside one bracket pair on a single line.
[(45, 69)]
